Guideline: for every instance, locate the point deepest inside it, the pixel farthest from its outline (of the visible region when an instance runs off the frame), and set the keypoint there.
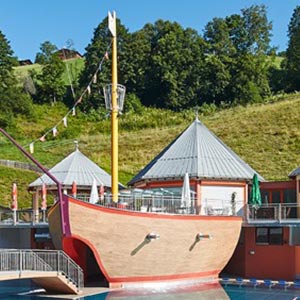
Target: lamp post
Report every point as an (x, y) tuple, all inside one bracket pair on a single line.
[(114, 94)]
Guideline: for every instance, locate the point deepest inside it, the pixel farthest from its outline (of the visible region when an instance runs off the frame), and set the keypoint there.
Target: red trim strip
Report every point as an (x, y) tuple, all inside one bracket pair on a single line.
[(153, 215), (166, 277)]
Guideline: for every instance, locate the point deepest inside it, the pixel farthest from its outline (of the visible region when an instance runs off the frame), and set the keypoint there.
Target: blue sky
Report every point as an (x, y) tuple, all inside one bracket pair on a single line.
[(28, 23)]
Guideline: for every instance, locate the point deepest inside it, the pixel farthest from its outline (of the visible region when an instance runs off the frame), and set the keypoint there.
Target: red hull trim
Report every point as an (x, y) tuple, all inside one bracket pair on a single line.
[(166, 277)]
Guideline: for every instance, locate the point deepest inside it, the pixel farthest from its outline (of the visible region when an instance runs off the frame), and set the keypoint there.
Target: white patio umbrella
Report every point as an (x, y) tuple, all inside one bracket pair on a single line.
[(186, 192), (94, 196)]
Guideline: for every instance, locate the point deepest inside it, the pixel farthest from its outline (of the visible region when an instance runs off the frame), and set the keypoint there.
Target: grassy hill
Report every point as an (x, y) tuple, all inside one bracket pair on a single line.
[(266, 136), (73, 66)]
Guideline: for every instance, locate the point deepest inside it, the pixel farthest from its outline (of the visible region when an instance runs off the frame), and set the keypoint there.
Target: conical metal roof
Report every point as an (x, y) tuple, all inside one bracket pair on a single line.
[(198, 152), (295, 172), (75, 167)]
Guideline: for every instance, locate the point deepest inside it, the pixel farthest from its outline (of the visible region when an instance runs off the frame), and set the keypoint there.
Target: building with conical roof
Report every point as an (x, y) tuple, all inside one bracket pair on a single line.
[(198, 152), (216, 173), (75, 167)]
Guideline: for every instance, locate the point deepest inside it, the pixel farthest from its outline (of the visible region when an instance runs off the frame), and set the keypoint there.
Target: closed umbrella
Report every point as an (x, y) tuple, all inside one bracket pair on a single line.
[(101, 192), (14, 203), (255, 196), (94, 196), (74, 189), (186, 192), (44, 201), (44, 197)]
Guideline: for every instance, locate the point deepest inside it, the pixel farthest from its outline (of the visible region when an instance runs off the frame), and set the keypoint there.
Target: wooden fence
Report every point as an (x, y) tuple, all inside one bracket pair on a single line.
[(19, 165)]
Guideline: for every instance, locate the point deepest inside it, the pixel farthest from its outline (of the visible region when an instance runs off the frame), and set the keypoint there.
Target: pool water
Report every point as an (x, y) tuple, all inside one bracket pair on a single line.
[(16, 289)]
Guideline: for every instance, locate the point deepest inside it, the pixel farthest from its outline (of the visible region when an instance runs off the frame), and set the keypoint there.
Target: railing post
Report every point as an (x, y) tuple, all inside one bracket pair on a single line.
[(279, 212), (58, 263), (20, 263), (78, 279), (15, 217), (68, 267)]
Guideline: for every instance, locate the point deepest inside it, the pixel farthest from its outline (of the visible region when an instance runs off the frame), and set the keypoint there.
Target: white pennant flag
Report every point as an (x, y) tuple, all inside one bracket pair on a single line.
[(65, 122), (54, 131), (73, 111), (31, 148), (112, 23), (95, 78), (89, 89)]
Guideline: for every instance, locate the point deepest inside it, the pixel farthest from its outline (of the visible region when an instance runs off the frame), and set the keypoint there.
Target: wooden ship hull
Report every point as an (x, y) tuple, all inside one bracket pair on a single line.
[(131, 247)]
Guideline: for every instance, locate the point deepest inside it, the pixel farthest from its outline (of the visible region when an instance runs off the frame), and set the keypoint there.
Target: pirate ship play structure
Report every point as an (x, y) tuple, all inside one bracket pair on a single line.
[(137, 240)]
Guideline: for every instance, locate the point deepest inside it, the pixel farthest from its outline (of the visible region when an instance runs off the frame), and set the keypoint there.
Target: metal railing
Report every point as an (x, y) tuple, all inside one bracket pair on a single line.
[(273, 213), (168, 204), (22, 216), (13, 260), (146, 203)]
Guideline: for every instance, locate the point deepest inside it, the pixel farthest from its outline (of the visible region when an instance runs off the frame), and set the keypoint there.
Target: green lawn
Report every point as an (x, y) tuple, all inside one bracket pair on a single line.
[(73, 69)]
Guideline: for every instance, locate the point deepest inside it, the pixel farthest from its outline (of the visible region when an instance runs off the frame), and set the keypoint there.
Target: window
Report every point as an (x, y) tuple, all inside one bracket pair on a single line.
[(275, 236), (276, 197), (264, 196), (269, 236), (262, 235), (289, 196)]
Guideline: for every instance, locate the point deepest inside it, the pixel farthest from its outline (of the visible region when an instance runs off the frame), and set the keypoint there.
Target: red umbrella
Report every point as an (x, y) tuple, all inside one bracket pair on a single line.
[(44, 197), (14, 204), (101, 192), (74, 189)]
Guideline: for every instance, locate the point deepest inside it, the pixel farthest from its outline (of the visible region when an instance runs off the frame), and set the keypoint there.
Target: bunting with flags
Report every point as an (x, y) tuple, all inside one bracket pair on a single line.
[(72, 111)]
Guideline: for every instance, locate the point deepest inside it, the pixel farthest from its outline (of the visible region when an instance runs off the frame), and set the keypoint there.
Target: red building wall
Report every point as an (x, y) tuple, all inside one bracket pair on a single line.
[(263, 261)]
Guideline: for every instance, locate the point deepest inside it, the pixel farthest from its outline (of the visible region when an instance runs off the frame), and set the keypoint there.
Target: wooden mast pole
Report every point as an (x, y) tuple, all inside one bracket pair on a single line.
[(114, 112)]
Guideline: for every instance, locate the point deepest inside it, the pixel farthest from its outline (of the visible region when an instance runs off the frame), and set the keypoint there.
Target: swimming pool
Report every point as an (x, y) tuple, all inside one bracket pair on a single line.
[(14, 290)]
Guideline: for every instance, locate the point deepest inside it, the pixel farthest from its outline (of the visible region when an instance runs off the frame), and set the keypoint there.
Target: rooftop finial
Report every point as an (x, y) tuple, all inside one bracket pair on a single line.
[(76, 145), (196, 112)]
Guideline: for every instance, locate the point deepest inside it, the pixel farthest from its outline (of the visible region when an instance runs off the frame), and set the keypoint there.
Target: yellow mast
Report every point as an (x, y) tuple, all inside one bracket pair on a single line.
[(114, 112)]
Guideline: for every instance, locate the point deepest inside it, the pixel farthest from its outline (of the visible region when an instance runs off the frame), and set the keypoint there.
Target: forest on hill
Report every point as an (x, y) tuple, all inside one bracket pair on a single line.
[(162, 65)]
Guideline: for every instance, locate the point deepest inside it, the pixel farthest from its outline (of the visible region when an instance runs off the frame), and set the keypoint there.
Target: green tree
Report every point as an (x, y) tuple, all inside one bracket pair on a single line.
[(12, 100), (293, 52), (47, 50), (237, 65), (172, 74), (49, 83)]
